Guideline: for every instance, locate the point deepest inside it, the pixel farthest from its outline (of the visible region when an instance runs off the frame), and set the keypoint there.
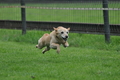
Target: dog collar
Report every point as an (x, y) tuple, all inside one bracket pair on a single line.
[(57, 37)]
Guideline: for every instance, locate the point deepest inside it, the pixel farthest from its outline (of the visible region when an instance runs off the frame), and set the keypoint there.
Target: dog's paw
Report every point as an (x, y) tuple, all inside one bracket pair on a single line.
[(43, 51), (58, 51), (36, 46), (66, 45)]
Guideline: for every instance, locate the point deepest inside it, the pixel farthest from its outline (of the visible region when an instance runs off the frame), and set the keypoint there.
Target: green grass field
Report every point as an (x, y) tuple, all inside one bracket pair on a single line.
[(87, 58), (83, 16)]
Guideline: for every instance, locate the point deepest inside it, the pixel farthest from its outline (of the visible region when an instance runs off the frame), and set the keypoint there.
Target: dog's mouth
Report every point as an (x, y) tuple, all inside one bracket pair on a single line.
[(64, 39)]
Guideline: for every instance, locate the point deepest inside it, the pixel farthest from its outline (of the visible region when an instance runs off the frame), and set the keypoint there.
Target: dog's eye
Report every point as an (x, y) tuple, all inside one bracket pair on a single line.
[(67, 32), (62, 32)]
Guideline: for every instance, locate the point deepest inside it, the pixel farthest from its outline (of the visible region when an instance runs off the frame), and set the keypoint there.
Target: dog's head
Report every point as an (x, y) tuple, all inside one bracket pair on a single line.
[(62, 32)]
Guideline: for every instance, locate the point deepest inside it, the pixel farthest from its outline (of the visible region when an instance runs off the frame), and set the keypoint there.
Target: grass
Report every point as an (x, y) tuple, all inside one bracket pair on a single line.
[(76, 39), (83, 16), (87, 58)]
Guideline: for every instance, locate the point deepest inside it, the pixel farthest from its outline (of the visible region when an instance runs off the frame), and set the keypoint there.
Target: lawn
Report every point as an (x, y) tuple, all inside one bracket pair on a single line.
[(87, 58), (83, 16)]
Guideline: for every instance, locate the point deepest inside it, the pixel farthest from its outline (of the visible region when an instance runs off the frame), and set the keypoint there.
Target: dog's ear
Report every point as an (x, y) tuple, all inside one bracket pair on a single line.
[(55, 29), (68, 28)]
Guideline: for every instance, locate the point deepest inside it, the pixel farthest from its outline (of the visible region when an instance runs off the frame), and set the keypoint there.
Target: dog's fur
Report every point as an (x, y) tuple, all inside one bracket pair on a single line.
[(54, 39)]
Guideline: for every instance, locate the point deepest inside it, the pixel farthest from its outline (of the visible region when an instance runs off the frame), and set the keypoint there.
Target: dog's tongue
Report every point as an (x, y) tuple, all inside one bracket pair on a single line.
[(65, 39)]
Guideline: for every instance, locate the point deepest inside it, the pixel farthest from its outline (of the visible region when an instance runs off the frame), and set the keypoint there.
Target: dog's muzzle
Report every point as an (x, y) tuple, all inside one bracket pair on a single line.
[(65, 38)]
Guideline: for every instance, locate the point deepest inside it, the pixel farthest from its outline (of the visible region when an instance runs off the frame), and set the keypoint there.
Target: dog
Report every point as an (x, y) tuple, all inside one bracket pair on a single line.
[(53, 40)]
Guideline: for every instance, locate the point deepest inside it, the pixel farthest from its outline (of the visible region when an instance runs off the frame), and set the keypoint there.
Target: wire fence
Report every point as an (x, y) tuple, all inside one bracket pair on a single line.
[(83, 16), (83, 11)]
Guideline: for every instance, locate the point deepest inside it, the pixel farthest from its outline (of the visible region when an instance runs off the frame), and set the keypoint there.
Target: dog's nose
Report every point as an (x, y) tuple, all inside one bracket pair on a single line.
[(66, 37)]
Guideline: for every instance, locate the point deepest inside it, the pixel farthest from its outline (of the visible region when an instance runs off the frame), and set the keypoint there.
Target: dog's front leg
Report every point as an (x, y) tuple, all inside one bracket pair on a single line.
[(66, 44), (55, 46)]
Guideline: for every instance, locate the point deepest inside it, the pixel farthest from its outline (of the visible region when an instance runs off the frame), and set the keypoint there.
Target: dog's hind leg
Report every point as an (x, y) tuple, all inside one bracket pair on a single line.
[(46, 49), (40, 44)]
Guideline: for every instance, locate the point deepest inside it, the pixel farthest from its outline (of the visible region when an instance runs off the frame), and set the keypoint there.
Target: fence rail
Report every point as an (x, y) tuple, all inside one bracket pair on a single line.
[(75, 27), (34, 7)]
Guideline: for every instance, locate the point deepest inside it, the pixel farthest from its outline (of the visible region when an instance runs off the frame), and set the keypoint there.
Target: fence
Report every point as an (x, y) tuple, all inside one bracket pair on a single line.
[(81, 15)]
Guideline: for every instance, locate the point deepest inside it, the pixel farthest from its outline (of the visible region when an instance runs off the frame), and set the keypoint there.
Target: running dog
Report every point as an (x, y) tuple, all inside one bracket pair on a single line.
[(53, 40)]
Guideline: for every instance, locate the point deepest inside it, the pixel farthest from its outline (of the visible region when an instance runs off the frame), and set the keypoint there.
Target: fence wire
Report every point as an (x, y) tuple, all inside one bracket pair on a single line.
[(83, 11)]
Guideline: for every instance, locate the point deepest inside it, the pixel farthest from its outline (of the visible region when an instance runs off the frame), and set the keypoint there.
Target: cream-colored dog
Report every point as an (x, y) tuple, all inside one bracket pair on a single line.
[(54, 39)]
